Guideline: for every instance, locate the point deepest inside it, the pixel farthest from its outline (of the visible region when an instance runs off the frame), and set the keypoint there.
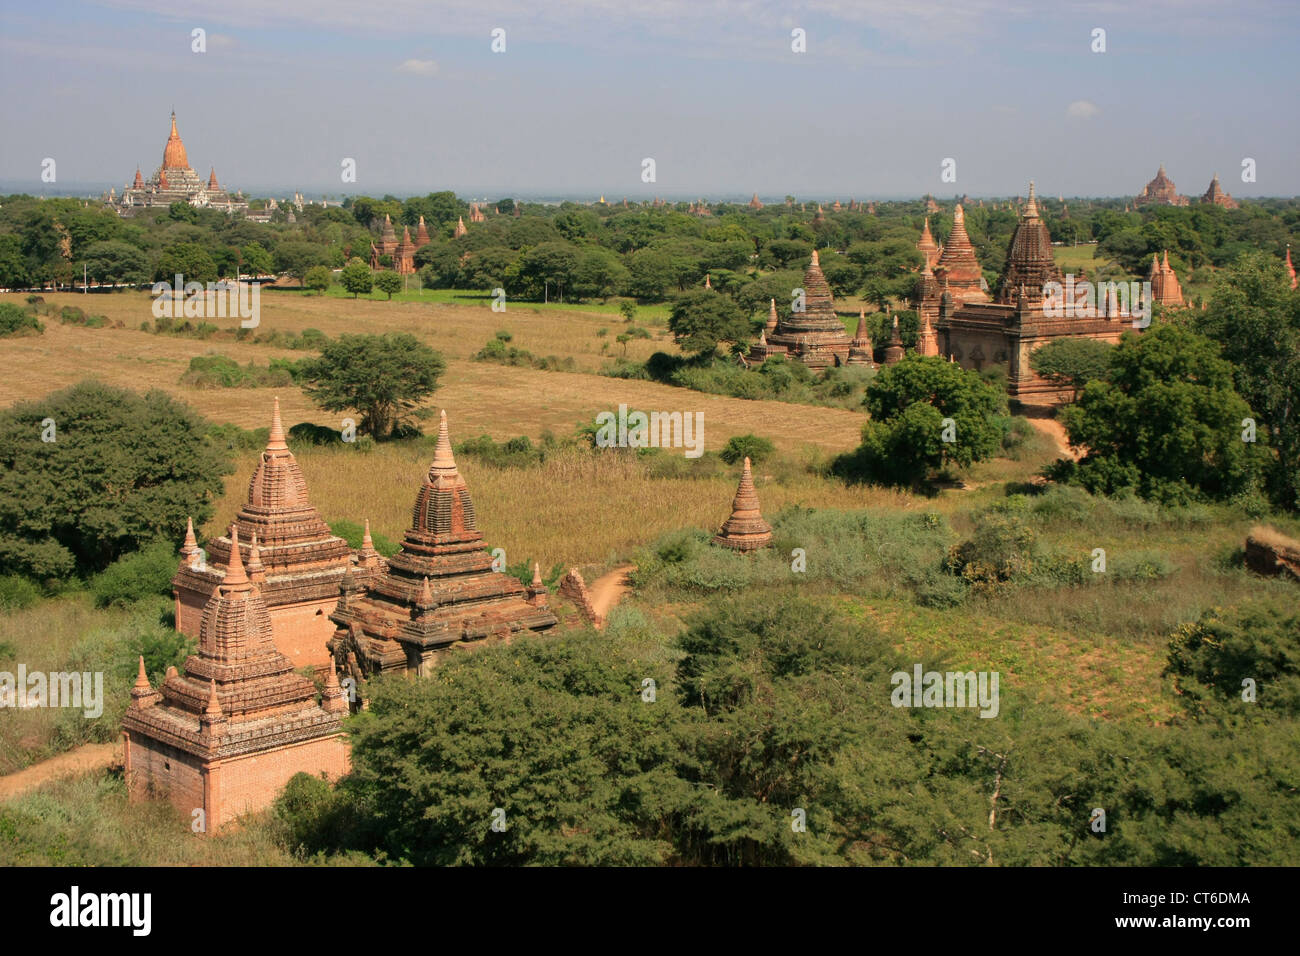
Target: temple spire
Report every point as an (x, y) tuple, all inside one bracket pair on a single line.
[(1031, 207), (235, 575), (443, 460), (276, 442), (745, 530)]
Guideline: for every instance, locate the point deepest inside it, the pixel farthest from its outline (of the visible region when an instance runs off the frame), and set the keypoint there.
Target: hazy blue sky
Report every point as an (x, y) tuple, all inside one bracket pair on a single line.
[(709, 88)]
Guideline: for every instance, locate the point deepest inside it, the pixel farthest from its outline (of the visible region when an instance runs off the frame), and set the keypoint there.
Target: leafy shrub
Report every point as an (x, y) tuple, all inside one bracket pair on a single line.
[(17, 592), (136, 576), (1002, 549), (740, 447), (15, 320)]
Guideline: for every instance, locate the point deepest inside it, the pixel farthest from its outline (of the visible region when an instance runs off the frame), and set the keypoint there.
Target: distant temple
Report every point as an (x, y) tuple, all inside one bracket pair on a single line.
[(438, 593), (1217, 196), (977, 332), (225, 737), (754, 203), (814, 336), (400, 252), (291, 555), (175, 181), (1160, 191)]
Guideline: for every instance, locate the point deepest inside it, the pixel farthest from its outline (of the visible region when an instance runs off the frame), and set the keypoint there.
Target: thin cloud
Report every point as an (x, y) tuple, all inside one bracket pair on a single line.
[(418, 67), (1082, 109)]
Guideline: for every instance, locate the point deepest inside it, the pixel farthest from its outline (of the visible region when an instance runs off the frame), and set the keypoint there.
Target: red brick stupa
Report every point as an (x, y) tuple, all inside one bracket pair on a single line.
[(438, 592), (1160, 191), (1217, 196), (957, 263), (745, 530), (304, 562), (816, 335), (227, 736)]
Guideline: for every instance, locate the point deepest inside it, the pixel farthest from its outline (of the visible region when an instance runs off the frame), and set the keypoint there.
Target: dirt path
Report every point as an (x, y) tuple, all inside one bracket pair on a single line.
[(84, 759), (1056, 431), (608, 589)]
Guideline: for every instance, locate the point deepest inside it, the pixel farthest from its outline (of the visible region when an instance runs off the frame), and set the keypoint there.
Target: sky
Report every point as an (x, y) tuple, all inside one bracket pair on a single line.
[(712, 90)]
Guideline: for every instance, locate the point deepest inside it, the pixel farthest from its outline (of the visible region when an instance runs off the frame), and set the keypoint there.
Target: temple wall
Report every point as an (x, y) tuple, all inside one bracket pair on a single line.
[(301, 630), (160, 770), (251, 782)]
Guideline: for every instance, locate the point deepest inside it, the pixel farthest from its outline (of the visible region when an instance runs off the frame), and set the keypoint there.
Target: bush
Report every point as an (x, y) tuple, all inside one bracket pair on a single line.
[(1001, 550), (740, 447), (136, 576), (17, 593), (15, 320), (353, 533)]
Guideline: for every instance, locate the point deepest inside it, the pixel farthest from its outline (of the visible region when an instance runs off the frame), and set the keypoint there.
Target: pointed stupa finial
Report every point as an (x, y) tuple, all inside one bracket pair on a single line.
[(213, 710), (191, 544), (1031, 207), (367, 544), (443, 460), (816, 261), (537, 574), (958, 215), (256, 570), (235, 566), (426, 594), (276, 442), (141, 678)]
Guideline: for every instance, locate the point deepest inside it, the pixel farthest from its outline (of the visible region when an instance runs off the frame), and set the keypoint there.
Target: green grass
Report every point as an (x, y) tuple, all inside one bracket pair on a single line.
[(479, 298)]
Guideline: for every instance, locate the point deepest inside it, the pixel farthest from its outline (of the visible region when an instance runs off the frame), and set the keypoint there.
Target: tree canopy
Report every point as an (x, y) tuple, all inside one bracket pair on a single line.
[(384, 377)]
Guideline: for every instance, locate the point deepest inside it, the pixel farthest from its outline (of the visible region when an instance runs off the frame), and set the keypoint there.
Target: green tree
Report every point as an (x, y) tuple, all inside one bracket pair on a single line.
[(318, 278), (1073, 361), (295, 258), (114, 261), (1165, 423), (189, 260), (740, 447), (356, 278), (122, 469), (384, 377), (925, 413), (1255, 319), (388, 282), (701, 321), (256, 260)]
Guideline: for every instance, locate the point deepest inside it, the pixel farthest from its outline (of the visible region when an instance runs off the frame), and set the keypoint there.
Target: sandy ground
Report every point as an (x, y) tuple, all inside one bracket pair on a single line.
[(607, 590), (1056, 431), (84, 759)]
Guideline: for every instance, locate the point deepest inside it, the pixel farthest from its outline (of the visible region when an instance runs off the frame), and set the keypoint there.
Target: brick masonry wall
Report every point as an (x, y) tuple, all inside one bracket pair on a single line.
[(251, 782)]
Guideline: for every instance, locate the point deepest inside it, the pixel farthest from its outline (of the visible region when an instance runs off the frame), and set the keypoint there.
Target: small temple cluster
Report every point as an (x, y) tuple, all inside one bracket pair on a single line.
[(280, 592), (176, 181), (400, 252)]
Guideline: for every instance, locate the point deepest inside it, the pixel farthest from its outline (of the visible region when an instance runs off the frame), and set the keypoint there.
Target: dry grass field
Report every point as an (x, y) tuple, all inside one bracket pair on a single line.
[(479, 397)]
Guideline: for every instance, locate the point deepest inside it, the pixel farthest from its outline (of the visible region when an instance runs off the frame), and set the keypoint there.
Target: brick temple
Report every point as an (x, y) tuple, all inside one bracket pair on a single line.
[(438, 593), (400, 252), (291, 554), (814, 336), (977, 333), (226, 736), (1217, 196)]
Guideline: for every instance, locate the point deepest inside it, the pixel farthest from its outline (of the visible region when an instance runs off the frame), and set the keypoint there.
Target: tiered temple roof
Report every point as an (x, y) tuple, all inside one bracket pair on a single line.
[(1030, 262), (439, 591), (745, 530), (894, 350), (816, 335), (1160, 190), (304, 561)]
